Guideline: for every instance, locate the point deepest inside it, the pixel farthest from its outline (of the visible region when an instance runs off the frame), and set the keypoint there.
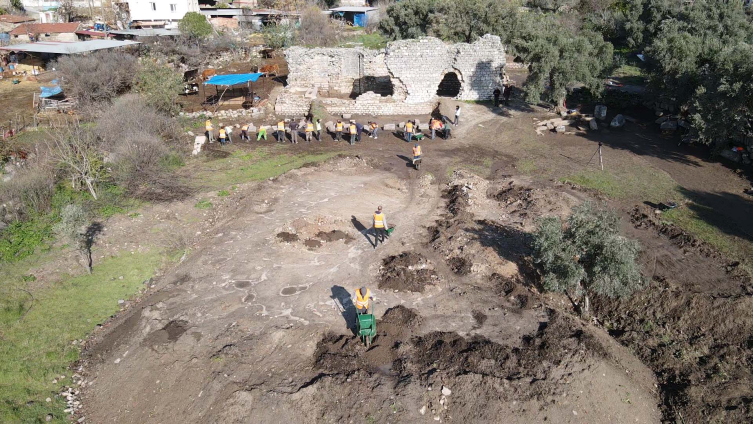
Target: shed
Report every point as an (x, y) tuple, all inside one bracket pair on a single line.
[(355, 15)]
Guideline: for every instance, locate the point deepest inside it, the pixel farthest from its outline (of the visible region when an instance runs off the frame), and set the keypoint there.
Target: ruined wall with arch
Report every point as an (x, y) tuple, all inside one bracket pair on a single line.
[(389, 81)]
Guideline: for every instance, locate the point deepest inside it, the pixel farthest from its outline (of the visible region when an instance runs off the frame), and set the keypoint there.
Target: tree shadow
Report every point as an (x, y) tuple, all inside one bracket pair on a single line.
[(509, 243), (348, 311), (361, 229), (90, 235)]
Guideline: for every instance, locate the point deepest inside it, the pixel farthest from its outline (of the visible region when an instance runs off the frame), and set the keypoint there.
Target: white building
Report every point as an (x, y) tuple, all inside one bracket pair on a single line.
[(44, 10), (160, 13)]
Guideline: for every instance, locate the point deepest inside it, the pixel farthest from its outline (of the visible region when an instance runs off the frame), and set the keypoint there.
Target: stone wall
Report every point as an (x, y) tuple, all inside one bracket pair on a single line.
[(406, 72)]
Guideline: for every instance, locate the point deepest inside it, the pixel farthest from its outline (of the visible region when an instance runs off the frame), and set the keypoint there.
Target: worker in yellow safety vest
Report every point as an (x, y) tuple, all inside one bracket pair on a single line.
[(362, 298), (309, 131), (223, 135), (416, 151), (209, 128), (281, 132), (353, 132), (408, 130), (380, 226), (338, 130)]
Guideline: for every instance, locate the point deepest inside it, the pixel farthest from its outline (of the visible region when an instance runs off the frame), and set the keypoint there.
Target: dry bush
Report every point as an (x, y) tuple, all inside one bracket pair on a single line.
[(131, 116), (97, 77), (191, 53), (317, 30), (28, 193), (137, 138)]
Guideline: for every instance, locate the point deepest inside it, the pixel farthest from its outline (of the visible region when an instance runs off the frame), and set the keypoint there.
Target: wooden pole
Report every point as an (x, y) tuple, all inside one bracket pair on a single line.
[(601, 162)]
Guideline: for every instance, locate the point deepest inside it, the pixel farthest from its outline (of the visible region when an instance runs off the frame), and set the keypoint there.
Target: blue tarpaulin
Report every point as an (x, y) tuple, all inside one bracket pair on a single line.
[(50, 91), (233, 79)]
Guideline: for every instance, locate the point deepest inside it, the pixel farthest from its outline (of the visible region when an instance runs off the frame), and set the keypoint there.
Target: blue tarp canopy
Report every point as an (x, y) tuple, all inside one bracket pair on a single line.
[(233, 79), (50, 91)]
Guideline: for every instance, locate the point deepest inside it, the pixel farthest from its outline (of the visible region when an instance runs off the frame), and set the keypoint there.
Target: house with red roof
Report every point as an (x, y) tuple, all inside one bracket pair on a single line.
[(26, 33)]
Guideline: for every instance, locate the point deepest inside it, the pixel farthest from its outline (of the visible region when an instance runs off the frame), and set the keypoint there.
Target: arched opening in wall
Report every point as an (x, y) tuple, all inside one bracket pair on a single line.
[(379, 85), (449, 86)]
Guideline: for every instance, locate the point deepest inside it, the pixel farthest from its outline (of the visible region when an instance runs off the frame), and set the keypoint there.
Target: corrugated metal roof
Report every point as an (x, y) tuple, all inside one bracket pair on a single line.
[(54, 47)]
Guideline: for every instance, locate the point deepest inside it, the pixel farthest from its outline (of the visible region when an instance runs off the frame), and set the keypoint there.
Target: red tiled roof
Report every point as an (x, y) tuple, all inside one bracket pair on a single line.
[(45, 28), (16, 19)]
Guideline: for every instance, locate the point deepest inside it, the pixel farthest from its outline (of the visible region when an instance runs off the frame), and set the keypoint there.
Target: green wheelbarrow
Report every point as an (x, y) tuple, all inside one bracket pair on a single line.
[(390, 230), (366, 328)]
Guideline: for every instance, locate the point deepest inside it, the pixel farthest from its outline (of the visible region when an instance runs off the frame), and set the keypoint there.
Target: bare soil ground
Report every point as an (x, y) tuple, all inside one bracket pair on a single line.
[(256, 323)]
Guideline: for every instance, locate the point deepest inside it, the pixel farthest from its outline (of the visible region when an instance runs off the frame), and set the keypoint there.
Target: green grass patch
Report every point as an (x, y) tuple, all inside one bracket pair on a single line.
[(259, 164), (372, 41), (223, 193), (526, 166), (22, 238), (638, 183), (37, 333), (203, 204), (630, 74)]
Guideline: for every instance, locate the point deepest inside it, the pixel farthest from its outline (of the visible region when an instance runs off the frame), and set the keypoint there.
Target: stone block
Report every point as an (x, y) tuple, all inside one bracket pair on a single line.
[(389, 127)]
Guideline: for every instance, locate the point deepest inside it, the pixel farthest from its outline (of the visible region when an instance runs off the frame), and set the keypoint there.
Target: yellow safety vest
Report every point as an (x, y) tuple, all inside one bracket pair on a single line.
[(373, 126), (379, 220), (222, 133), (352, 129), (417, 151), (339, 126), (244, 128), (208, 125), (362, 302), (309, 127), (280, 126), (409, 127)]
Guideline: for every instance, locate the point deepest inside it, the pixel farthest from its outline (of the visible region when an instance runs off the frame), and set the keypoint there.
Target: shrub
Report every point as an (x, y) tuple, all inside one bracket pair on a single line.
[(100, 76), (129, 115), (277, 35), (587, 256), (28, 193), (160, 86), (75, 228), (316, 30), (195, 25)]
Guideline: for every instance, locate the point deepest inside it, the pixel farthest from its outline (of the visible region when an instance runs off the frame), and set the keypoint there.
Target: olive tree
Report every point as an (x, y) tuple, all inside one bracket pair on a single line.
[(160, 86), (76, 228), (586, 256)]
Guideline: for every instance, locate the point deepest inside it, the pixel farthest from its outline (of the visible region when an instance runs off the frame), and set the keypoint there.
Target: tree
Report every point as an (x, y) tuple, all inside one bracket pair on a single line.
[(408, 19), (559, 58), (66, 10), (160, 86), (195, 25), (317, 29), (76, 151), (722, 107), (467, 20), (79, 231), (588, 256), (278, 35)]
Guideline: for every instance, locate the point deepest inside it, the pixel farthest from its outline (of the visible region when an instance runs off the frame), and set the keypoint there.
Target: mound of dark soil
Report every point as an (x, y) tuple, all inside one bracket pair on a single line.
[(334, 235), (502, 286), (400, 315), (287, 237), (312, 244), (457, 199), (460, 266), (512, 194), (408, 271), (560, 347)]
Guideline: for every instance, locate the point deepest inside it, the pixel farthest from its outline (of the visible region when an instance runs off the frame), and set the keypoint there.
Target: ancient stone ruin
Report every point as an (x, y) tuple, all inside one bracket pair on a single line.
[(407, 77)]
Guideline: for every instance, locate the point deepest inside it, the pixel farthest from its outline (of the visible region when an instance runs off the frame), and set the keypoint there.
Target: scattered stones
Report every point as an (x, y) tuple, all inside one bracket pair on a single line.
[(600, 112), (48, 400), (422, 411), (618, 121), (446, 391), (121, 301), (593, 125), (48, 418)]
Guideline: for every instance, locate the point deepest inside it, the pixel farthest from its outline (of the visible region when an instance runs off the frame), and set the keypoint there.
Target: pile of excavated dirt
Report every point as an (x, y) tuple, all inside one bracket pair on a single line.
[(334, 235), (486, 372), (523, 202), (408, 271)]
